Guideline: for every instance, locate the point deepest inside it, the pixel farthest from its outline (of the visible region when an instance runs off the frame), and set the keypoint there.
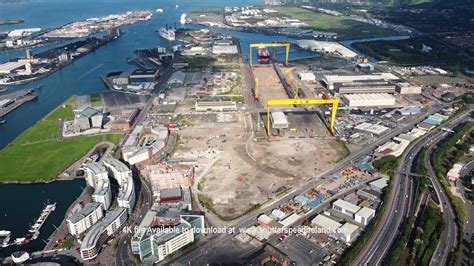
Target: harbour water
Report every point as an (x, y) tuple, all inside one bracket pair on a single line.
[(20, 204)]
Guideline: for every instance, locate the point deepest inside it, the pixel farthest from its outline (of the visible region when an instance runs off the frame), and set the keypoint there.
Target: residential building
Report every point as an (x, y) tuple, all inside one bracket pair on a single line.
[(82, 220)]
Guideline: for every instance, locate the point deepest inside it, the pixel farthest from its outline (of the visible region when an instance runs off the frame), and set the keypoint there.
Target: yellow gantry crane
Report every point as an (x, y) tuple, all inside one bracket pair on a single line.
[(290, 78), (263, 45), (333, 101)]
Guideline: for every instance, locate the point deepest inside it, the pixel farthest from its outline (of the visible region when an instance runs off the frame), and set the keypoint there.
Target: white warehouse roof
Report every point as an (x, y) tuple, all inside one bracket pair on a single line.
[(346, 205), (326, 223), (265, 219), (366, 212), (348, 229), (372, 128), (279, 119), (8, 67), (331, 79), (290, 220), (325, 46), (380, 183), (369, 100)]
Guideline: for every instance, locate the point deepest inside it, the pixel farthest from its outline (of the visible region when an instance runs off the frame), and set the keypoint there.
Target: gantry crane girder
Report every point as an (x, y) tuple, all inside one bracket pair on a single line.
[(263, 45), (333, 101)]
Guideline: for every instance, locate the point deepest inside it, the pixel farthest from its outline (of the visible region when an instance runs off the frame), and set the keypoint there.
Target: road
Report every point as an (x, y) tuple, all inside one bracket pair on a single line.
[(448, 241), (468, 237), (211, 243), (400, 205)]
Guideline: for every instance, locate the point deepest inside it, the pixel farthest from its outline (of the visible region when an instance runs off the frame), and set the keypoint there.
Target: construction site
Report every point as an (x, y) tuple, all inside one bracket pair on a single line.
[(246, 160), (284, 109)]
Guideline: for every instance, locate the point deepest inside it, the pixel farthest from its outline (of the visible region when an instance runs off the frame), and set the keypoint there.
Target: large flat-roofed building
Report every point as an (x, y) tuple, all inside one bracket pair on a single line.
[(331, 80), (279, 120), (143, 75), (9, 67), (345, 207), (109, 226), (82, 220), (364, 215), (379, 184), (375, 129), (363, 87), (215, 104), (328, 225), (6, 102), (348, 232), (225, 49), (126, 119), (407, 88), (327, 47), (369, 100)]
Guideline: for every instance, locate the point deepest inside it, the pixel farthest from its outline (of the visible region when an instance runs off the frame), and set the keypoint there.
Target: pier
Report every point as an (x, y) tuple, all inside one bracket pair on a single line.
[(11, 101)]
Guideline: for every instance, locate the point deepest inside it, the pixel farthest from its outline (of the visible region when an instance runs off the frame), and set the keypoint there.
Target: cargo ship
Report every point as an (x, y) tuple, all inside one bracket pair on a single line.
[(167, 33), (263, 56), (4, 238)]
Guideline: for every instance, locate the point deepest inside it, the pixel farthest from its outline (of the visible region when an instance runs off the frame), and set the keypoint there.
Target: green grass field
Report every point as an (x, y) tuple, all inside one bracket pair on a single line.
[(346, 27), (37, 154)]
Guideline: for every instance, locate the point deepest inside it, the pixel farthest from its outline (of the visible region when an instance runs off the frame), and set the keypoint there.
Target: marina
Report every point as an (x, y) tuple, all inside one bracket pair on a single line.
[(33, 232)]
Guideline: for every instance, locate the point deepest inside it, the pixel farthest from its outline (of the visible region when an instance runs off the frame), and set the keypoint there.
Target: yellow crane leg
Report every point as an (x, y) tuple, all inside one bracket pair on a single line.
[(287, 54), (333, 116)]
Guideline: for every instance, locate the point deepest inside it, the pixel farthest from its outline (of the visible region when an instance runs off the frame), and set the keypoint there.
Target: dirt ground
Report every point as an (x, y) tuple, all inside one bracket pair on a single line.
[(270, 86), (236, 172)]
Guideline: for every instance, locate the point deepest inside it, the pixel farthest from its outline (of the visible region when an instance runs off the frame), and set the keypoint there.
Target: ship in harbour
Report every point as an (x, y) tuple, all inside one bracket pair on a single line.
[(263, 56), (167, 33), (182, 20)]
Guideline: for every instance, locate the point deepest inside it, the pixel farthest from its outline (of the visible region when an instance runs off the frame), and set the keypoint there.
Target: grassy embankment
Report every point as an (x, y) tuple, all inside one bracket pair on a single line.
[(417, 245), (446, 154), (346, 28), (37, 155)]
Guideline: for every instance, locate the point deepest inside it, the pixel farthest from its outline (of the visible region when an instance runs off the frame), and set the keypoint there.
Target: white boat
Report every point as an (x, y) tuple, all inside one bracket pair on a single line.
[(4, 238), (20, 257), (20, 241), (183, 19), (169, 34), (159, 10), (177, 6)]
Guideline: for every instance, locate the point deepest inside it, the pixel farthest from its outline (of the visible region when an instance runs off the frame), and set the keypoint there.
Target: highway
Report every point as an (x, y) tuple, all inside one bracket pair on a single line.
[(211, 243), (448, 241), (400, 205)]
